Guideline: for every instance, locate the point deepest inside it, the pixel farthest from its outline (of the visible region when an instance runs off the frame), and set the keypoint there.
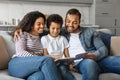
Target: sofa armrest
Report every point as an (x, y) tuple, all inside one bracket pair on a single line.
[(9, 43), (115, 46)]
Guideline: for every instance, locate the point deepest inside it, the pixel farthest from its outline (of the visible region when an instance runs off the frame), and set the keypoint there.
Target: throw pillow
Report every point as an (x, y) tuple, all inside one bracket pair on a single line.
[(115, 46), (106, 38), (4, 56)]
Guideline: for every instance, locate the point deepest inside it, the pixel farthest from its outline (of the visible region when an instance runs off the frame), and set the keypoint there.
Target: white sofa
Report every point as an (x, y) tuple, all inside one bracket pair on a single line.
[(9, 50)]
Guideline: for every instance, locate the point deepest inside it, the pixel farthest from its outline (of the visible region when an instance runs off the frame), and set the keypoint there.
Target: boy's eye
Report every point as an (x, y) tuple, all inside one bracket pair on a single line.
[(75, 22), (53, 28)]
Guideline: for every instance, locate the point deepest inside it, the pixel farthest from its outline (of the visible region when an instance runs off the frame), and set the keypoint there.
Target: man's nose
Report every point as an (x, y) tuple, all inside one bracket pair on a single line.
[(71, 24)]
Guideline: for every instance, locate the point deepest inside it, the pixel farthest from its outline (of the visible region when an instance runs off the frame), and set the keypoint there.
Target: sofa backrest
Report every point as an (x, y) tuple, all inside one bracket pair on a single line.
[(104, 33), (9, 43)]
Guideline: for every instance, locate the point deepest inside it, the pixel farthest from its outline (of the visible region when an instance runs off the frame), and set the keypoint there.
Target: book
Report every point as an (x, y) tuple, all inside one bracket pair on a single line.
[(75, 59), (67, 59)]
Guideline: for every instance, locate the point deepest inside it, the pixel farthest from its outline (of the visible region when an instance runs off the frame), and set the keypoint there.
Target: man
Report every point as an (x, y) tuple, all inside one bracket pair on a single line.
[(87, 43)]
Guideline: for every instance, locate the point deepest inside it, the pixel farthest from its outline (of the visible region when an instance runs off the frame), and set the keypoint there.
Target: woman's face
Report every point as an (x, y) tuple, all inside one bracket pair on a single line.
[(38, 26), (54, 29)]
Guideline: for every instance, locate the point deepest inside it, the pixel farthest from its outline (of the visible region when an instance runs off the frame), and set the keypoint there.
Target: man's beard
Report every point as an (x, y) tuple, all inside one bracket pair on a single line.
[(70, 29)]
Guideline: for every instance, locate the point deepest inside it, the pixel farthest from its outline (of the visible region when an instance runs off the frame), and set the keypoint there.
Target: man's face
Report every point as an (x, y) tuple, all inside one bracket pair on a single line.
[(72, 23)]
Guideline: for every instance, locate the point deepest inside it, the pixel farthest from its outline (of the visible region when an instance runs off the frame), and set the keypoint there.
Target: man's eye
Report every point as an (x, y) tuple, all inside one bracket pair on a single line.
[(67, 21), (38, 24)]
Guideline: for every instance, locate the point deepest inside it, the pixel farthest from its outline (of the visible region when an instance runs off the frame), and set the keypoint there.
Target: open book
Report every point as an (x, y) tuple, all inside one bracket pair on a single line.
[(67, 59), (75, 59)]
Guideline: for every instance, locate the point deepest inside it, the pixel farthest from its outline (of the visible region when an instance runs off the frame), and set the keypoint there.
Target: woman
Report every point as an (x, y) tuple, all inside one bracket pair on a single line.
[(29, 62)]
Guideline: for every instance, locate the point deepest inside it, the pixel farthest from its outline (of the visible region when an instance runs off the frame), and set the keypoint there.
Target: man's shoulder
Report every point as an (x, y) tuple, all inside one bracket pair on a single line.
[(63, 31), (87, 29)]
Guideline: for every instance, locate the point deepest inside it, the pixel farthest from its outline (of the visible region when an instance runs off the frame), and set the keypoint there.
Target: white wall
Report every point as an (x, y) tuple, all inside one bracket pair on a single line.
[(16, 10)]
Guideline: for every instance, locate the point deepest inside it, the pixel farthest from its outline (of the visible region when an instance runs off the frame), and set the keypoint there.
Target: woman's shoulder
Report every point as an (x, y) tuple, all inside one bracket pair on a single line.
[(24, 34)]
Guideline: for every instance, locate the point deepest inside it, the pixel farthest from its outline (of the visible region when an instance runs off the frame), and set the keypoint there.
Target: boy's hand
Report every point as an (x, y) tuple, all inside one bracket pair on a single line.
[(71, 68), (17, 34), (56, 56)]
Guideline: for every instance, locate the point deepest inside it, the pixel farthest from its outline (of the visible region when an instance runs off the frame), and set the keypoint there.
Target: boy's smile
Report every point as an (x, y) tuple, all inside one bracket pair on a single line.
[(54, 29)]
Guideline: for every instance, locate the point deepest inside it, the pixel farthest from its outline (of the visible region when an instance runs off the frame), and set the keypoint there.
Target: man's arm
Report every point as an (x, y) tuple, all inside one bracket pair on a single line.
[(95, 47), (17, 34), (101, 50), (87, 55)]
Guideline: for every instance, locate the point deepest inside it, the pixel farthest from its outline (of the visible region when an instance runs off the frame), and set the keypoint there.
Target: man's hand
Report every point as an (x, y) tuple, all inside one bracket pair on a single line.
[(17, 34), (90, 56), (87, 55)]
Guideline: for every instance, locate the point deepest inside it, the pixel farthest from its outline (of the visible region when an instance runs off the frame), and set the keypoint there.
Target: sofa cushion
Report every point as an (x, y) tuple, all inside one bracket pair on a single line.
[(4, 75), (115, 46), (4, 56)]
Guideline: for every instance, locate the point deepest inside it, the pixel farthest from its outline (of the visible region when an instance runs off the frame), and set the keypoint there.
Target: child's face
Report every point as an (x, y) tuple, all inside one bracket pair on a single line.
[(38, 26), (54, 29)]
